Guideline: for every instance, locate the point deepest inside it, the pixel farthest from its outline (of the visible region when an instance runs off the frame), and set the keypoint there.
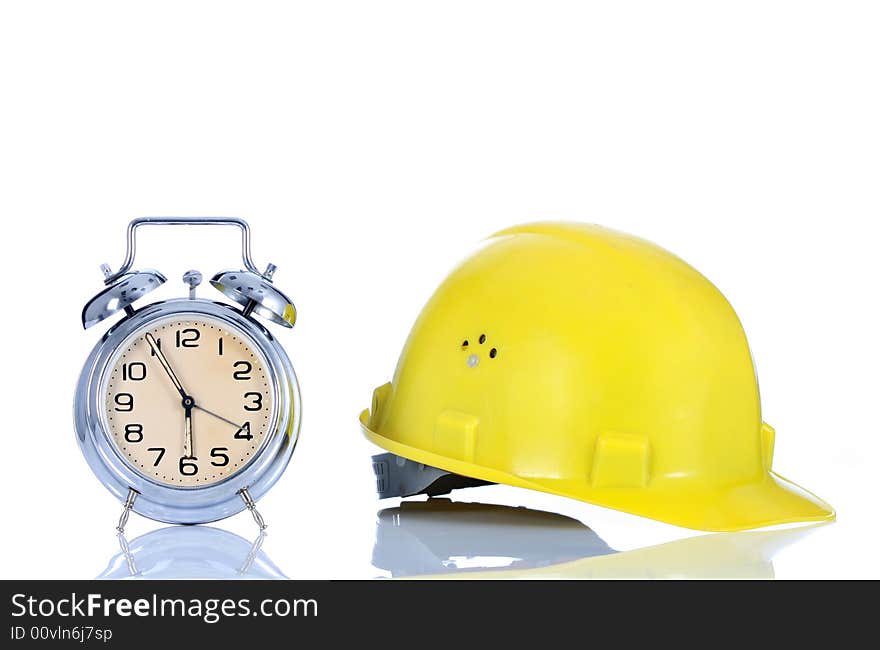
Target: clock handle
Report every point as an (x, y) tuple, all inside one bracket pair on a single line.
[(131, 243)]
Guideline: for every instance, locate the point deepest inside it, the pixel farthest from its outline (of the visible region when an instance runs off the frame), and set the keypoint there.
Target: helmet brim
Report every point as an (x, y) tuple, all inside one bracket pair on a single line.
[(769, 501)]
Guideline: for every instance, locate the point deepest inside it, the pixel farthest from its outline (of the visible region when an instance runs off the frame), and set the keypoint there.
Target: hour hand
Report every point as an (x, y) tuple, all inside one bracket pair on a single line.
[(151, 340)]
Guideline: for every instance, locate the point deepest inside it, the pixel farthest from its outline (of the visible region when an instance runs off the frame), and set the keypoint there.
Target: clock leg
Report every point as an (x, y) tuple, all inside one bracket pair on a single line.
[(126, 510), (252, 506)]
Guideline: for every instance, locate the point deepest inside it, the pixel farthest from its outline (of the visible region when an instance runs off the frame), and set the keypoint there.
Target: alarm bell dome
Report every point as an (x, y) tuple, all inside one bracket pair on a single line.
[(256, 293), (119, 294)]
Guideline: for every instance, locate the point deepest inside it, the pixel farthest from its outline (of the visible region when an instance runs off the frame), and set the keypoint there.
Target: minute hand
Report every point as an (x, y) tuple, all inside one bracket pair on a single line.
[(161, 357), (219, 417)]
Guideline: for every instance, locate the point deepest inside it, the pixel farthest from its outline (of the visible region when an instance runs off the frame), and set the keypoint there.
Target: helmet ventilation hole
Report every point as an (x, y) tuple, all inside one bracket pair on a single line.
[(493, 353), (482, 339), (464, 344)]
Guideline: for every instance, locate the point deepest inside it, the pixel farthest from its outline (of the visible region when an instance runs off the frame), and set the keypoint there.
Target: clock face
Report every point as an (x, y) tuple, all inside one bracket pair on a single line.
[(188, 400)]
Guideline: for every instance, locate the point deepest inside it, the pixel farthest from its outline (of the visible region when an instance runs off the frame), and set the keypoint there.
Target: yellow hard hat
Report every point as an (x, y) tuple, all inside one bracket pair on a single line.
[(587, 363)]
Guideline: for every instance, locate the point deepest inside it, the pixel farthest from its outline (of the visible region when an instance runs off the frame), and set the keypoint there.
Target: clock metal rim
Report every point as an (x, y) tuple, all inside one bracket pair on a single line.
[(187, 504)]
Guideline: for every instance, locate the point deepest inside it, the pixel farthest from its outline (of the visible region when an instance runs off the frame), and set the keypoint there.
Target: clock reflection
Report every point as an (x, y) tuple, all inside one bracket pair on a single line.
[(191, 552), (439, 538)]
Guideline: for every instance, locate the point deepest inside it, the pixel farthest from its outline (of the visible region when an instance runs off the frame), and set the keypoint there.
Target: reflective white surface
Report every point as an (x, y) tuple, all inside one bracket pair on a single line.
[(191, 552), (440, 538)]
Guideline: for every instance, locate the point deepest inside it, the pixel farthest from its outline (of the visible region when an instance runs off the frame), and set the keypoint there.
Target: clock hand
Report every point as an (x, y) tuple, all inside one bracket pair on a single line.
[(188, 432), (219, 417), (188, 402), (161, 357)]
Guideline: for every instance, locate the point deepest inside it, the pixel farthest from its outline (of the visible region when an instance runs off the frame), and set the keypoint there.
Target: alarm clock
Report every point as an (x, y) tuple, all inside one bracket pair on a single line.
[(188, 410)]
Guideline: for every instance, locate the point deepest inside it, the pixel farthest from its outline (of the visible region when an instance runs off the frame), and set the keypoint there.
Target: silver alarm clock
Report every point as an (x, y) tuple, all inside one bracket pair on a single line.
[(188, 410)]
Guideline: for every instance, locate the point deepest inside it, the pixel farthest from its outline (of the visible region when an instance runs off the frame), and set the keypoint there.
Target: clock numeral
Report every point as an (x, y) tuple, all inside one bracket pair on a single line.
[(134, 371), (244, 433), (124, 402), (245, 373), (187, 338), (158, 345), (134, 433), (188, 467), (161, 451), (220, 346), (223, 459), (257, 401)]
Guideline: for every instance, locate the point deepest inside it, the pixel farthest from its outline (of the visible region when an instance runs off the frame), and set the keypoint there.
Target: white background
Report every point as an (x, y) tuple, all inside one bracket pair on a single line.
[(370, 145)]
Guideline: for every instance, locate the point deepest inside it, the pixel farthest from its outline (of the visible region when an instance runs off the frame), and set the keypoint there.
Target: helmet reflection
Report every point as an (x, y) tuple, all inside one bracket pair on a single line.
[(439, 538)]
